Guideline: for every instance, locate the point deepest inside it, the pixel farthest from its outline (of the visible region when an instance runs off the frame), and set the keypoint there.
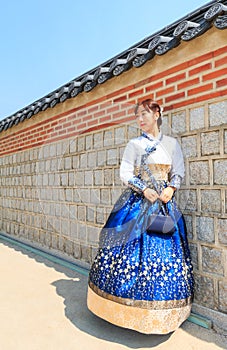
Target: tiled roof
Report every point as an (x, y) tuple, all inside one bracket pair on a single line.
[(187, 28)]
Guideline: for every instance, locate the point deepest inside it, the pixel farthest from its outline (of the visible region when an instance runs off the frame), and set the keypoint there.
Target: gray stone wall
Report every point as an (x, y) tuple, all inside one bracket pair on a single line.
[(60, 195)]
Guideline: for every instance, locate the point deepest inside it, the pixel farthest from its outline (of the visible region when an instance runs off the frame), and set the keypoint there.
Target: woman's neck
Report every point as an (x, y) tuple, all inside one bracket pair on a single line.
[(153, 133)]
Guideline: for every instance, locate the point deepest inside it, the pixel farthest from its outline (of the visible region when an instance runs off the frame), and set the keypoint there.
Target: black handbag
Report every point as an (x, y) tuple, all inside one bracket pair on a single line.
[(161, 223)]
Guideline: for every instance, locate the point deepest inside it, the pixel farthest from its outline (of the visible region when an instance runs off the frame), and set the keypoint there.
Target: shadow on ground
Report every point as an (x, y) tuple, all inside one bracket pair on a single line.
[(73, 290)]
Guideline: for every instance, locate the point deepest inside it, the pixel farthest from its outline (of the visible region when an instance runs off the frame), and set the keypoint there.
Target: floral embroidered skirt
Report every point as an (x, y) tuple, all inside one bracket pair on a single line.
[(139, 280)]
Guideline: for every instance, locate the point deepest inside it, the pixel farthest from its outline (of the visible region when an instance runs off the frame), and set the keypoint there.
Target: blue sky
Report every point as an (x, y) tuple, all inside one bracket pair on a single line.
[(46, 43)]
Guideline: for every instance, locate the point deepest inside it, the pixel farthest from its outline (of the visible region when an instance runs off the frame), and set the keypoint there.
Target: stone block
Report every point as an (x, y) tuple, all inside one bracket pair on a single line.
[(64, 181), (204, 291), (105, 196), (98, 140), (179, 122), (205, 229), (222, 231), (69, 248), (211, 201), (54, 241), (108, 138), (115, 194), (95, 196), (53, 150), (225, 141), (100, 215), (68, 195), (83, 160), (199, 173), (220, 172), (210, 143), (86, 253), (77, 250), (88, 178), (212, 261), (91, 214), (73, 146), (189, 226), (187, 200), (98, 178), (65, 229), (133, 131), (73, 230), (222, 295), (117, 179), (92, 234), (166, 126), (194, 255), (92, 156), (81, 143), (88, 142), (120, 137), (112, 157), (71, 179), (81, 213), (76, 162), (218, 113), (61, 243), (68, 163), (101, 158), (82, 232), (84, 195), (197, 118), (108, 177), (79, 178), (189, 146)]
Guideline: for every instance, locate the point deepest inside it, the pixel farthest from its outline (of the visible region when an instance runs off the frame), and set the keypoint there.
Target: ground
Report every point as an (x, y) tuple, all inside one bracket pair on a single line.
[(43, 307)]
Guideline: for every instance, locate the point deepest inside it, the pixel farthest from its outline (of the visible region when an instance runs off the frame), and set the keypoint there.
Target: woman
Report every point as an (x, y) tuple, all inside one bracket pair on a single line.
[(139, 279)]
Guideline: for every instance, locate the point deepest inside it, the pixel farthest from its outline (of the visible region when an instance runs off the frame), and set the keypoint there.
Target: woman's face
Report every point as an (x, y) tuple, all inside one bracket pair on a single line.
[(147, 121)]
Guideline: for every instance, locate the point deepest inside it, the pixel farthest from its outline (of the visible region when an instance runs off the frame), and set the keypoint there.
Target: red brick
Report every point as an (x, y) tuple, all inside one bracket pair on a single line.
[(136, 93), (175, 78), (119, 99), (169, 71), (221, 62), (154, 86), (113, 109), (93, 109), (200, 69), (175, 97), (215, 74), (82, 113), (200, 89), (165, 91), (220, 51), (221, 83), (98, 114), (188, 83), (81, 126), (104, 119), (119, 114)]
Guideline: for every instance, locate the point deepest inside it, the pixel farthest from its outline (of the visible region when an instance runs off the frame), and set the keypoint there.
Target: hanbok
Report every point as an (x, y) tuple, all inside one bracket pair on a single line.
[(139, 280)]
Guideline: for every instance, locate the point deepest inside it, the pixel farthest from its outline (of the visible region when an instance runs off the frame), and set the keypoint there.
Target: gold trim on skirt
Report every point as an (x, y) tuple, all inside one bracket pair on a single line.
[(145, 320)]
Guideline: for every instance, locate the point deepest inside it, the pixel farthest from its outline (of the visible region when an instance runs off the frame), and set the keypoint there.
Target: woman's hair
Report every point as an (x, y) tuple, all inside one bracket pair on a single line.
[(150, 105)]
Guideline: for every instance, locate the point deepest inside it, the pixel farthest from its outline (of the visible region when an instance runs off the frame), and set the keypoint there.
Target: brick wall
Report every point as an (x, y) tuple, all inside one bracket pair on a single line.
[(60, 169)]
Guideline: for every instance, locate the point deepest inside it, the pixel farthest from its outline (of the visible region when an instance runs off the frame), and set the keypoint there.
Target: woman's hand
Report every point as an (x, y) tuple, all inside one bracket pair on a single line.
[(167, 194), (150, 194)]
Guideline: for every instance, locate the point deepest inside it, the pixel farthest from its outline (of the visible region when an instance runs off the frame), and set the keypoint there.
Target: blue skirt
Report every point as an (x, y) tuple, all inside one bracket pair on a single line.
[(141, 275)]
